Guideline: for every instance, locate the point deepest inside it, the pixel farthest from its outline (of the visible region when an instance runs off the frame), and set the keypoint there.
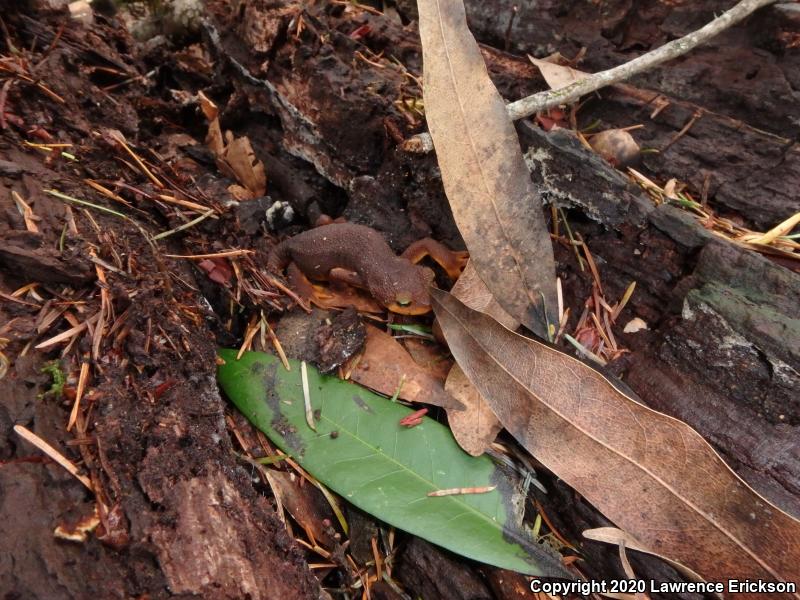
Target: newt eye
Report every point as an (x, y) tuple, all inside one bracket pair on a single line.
[(403, 300)]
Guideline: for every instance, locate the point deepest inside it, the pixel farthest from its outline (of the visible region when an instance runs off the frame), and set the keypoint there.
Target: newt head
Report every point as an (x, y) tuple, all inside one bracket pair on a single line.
[(404, 290)]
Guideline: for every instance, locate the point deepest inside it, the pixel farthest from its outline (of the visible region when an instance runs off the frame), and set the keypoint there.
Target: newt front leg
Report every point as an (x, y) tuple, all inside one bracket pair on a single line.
[(452, 261)]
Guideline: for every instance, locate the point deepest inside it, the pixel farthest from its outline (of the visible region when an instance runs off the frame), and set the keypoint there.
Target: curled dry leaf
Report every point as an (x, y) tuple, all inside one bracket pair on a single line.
[(555, 75), (612, 535), (476, 427), (488, 185), (617, 147), (650, 474), (239, 162), (385, 366), (235, 156), (306, 504), (214, 139)]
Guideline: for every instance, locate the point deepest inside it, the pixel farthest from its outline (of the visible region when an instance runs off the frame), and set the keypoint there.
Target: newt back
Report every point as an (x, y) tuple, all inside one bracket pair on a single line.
[(395, 282)]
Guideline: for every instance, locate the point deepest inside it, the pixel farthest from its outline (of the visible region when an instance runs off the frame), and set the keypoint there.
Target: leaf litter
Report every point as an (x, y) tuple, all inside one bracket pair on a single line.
[(235, 260)]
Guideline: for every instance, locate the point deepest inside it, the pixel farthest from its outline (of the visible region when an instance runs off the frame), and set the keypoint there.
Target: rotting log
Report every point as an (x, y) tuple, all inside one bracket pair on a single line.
[(151, 432), (315, 78)]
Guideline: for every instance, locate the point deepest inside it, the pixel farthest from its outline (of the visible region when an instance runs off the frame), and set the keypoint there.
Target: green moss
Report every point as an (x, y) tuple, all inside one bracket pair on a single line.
[(58, 377)]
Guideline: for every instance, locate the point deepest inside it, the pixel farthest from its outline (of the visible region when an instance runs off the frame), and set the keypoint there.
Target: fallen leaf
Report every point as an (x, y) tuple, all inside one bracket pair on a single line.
[(214, 140), (430, 356), (240, 160), (650, 474), (235, 156), (306, 504), (476, 427), (612, 535), (361, 452), (472, 291), (557, 76), (496, 207), (385, 364), (634, 325), (27, 212)]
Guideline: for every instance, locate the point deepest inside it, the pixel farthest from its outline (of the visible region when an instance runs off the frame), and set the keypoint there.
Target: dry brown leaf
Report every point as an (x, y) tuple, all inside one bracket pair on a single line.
[(650, 474), (235, 156), (476, 427), (27, 212), (239, 158), (214, 140), (471, 290), (612, 535), (209, 108), (494, 202), (306, 504), (430, 356), (557, 76), (386, 363)]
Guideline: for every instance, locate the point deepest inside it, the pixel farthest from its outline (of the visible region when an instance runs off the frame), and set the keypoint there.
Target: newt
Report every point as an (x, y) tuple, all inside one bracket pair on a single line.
[(358, 255)]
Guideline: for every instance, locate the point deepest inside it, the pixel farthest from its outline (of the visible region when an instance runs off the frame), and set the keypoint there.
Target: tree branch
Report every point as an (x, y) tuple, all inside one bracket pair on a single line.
[(572, 92), (529, 105)]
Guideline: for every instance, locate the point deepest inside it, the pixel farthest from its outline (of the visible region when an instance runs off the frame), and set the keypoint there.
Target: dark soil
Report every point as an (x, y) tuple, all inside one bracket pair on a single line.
[(187, 516)]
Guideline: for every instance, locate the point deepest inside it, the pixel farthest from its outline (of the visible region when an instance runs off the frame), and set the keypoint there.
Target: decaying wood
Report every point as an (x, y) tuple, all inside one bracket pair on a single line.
[(476, 427)]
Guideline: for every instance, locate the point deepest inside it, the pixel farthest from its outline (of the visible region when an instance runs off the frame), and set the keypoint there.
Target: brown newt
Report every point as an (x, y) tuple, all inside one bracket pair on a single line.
[(359, 255)]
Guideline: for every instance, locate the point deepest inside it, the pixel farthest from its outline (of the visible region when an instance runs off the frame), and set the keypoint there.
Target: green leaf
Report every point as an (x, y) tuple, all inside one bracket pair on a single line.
[(384, 468), (420, 330)]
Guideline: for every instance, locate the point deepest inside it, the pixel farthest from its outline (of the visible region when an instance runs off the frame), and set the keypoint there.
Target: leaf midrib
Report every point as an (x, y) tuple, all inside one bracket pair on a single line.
[(452, 499), (517, 259)]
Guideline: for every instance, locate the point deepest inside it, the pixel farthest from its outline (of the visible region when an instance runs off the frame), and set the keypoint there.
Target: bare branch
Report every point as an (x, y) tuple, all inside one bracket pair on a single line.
[(421, 143), (572, 92)]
